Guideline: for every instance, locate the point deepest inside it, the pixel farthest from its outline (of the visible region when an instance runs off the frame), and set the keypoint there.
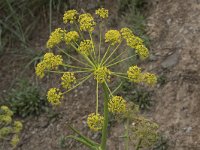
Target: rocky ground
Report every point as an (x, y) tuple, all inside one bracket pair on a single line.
[(174, 30)]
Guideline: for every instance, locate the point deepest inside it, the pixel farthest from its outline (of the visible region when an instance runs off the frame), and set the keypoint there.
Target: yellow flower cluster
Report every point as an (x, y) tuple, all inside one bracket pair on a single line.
[(49, 62), (85, 47), (102, 12), (142, 51), (68, 79), (56, 37), (6, 110), (5, 131), (95, 121), (117, 105), (113, 36), (6, 128), (102, 74), (86, 22), (135, 43), (134, 74), (17, 127), (54, 96), (149, 78), (146, 130), (15, 140), (70, 16), (71, 36)]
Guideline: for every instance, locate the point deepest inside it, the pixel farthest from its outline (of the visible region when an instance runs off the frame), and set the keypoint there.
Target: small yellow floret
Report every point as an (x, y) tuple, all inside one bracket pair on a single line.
[(142, 51), (95, 121), (102, 74), (133, 41), (86, 22), (68, 79), (113, 36), (15, 140), (102, 12), (117, 105), (70, 16), (149, 78), (17, 127), (134, 74), (54, 96), (71, 36), (56, 37), (85, 47)]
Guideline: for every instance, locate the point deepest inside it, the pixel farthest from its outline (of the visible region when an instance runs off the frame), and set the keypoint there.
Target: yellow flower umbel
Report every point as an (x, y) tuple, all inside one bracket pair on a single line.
[(113, 36), (70, 16), (6, 119), (49, 62), (102, 74), (68, 79), (54, 96), (6, 110), (142, 51), (117, 105), (86, 22), (149, 79), (15, 140), (95, 121), (102, 12), (134, 74), (85, 47), (56, 37), (71, 37), (126, 33), (17, 127)]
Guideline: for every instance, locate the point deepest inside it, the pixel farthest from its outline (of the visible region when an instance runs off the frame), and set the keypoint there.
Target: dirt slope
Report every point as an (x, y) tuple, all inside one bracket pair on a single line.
[(174, 29)]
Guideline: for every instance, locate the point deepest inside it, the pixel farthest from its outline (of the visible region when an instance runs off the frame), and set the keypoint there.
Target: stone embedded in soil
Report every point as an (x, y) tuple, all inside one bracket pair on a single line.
[(170, 61)]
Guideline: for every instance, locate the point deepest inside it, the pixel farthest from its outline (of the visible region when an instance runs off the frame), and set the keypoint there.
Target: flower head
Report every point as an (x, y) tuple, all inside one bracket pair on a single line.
[(49, 62), (71, 37), (5, 119), (15, 140), (102, 12), (102, 74), (126, 33), (142, 51), (86, 22), (4, 131), (70, 16), (134, 74), (133, 41), (68, 79), (95, 121), (113, 36), (117, 105), (56, 37), (17, 126), (54, 96), (6, 110), (149, 78), (85, 47)]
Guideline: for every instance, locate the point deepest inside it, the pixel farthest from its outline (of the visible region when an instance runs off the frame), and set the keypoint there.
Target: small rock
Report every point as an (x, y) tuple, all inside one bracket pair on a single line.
[(170, 60), (152, 57)]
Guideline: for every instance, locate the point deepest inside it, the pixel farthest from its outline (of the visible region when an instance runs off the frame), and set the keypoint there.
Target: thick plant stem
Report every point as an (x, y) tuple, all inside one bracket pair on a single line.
[(105, 125)]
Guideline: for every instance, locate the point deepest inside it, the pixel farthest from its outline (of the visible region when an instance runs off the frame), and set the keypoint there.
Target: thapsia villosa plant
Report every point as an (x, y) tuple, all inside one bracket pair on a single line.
[(98, 64)]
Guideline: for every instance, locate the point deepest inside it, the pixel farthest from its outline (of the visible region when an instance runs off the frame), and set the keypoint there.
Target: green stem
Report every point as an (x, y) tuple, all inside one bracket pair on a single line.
[(105, 125), (138, 145)]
